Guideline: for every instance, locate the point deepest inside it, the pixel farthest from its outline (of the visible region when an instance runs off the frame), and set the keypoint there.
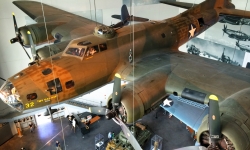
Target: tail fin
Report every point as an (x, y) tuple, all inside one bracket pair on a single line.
[(224, 29), (125, 18), (124, 13)]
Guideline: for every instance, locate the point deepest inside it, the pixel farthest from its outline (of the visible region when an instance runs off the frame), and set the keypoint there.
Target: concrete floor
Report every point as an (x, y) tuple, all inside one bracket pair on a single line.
[(45, 136)]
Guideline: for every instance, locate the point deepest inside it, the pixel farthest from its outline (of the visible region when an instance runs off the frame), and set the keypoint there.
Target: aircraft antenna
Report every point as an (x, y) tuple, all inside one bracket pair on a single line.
[(90, 9), (95, 14), (193, 3), (132, 49), (52, 68)]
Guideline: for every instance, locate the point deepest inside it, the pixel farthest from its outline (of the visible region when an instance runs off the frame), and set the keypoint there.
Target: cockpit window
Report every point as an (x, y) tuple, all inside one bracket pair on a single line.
[(103, 46), (91, 51), (84, 43), (9, 95), (69, 84), (75, 51), (54, 86), (31, 96), (46, 71)]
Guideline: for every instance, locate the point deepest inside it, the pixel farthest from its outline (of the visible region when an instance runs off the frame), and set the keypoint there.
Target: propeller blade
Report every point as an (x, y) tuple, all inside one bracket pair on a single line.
[(2, 79), (15, 24), (17, 38), (26, 52), (129, 135), (116, 96), (214, 119), (192, 148), (98, 110), (32, 46)]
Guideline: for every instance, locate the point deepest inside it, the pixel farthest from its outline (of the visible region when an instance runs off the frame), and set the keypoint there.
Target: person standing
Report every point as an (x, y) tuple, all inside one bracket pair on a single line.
[(110, 136), (74, 125), (58, 146), (31, 127), (170, 115)]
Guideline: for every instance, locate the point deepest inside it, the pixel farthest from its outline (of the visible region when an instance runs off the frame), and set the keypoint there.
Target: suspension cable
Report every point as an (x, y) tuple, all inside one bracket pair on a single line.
[(44, 19)]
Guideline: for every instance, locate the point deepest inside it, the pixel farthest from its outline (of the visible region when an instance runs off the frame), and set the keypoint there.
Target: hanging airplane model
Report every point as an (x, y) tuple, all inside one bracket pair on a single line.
[(234, 20), (243, 47), (238, 35), (157, 69)]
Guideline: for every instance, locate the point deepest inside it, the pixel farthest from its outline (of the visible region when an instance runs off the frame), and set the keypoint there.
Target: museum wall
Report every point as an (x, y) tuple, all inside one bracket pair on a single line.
[(214, 42)]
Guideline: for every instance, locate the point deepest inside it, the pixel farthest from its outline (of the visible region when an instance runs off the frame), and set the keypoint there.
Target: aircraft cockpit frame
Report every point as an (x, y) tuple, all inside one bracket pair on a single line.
[(84, 49)]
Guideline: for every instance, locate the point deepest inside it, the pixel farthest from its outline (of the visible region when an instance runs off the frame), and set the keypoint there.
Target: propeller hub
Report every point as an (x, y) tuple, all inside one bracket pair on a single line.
[(111, 114), (14, 40), (222, 143)]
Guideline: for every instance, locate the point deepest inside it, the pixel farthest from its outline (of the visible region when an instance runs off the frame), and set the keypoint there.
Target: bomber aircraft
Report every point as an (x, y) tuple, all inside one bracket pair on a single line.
[(234, 20), (157, 72), (238, 35), (243, 47)]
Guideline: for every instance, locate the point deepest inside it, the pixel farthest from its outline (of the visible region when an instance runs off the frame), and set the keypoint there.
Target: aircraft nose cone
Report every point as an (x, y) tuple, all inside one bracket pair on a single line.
[(10, 96)]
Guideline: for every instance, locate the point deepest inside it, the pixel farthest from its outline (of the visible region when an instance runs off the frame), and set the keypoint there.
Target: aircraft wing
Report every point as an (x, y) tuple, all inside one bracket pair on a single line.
[(235, 12), (35, 10), (73, 26), (189, 112)]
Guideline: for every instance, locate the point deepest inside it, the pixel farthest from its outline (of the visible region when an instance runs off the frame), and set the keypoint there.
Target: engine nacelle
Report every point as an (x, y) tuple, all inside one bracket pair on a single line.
[(234, 134), (143, 95), (38, 33), (235, 124), (51, 50)]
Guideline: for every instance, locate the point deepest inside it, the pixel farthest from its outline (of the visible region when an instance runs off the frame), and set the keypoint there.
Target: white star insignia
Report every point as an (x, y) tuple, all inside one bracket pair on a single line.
[(191, 31), (167, 102)]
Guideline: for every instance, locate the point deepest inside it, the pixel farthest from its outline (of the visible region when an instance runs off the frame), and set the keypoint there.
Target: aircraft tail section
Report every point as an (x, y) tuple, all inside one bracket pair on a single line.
[(124, 14)]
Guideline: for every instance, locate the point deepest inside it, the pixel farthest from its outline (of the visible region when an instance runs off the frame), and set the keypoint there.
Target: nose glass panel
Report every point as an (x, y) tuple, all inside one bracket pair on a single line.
[(10, 96)]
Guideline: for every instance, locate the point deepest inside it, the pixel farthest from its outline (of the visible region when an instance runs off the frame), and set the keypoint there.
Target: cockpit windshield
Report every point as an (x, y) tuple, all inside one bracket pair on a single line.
[(91, 51), (9, 95), (75, 51)]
